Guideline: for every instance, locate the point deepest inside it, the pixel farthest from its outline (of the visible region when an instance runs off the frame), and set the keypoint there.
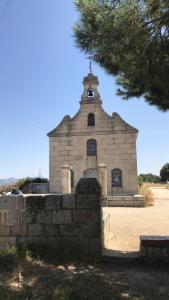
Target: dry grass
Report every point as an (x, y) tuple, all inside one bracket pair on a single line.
[(147, 193), (5, 188), (39, 280), (162, 185), (72, 281)]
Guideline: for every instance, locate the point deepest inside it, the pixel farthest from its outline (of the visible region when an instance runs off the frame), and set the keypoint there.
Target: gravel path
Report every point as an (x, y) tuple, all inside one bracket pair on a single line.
[(127, 224)]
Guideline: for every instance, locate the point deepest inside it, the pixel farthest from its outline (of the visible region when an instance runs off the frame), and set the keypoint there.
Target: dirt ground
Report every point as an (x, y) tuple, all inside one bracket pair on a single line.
[(127, 224), (101, 281)]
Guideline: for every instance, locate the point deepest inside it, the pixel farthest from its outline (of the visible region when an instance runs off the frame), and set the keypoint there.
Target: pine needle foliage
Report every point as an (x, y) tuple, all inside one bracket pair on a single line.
[(129, 39)]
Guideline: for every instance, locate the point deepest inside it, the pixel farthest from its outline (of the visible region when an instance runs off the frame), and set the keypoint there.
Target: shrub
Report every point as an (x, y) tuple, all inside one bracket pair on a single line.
[(147, 193), (8, 258), (23, 181)]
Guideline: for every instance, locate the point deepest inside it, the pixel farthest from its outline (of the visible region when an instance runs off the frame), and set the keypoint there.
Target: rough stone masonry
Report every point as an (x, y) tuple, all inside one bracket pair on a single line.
[(69, 220)]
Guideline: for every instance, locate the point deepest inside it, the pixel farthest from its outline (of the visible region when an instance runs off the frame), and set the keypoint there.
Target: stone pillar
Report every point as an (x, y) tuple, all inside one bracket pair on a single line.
[(66, 179), (102, 177), (87, 213)]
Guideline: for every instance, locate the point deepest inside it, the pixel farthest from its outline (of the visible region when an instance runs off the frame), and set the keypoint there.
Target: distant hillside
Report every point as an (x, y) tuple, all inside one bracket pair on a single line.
[(7, 181)]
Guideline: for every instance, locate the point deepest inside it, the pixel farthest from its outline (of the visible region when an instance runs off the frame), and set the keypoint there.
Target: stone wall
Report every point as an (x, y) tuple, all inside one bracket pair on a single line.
[(36, 188), (124, 201), (106, 231), (71, 221), (115, 150)]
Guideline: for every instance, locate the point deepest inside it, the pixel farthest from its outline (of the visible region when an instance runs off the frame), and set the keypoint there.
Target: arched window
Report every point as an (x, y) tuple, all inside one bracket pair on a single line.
[(91, 147), (91, 119), (116, 177)]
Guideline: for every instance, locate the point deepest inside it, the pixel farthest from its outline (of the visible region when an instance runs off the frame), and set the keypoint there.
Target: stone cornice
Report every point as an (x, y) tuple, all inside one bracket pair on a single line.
[(109, 132), (90, 101)]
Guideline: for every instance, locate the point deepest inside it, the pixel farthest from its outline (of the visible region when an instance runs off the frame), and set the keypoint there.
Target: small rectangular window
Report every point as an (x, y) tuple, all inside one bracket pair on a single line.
[(91, 119)]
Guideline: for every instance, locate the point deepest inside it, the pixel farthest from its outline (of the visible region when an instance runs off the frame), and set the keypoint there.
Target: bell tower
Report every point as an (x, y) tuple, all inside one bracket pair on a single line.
[(90, 93)]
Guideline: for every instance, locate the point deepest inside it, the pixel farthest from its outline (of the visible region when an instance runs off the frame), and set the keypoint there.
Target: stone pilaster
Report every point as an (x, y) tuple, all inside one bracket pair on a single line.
[(66, 179), (102, 176)]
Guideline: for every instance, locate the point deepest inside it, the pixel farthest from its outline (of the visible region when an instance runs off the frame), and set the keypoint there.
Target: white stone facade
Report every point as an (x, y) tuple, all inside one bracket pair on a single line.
[(115, 145)]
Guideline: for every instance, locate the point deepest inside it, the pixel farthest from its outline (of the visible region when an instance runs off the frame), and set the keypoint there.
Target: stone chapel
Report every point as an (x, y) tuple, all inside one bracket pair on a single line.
[(90, 139)]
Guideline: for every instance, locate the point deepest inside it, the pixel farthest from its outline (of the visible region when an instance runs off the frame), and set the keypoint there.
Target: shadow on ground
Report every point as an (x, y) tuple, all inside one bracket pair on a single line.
[(120, 253), (77, 281)]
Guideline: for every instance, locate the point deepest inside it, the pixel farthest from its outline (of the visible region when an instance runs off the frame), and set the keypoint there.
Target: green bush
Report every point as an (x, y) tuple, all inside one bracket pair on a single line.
[(164, 173), (14, 256), (148, 178), (23, 181), (8, 258)]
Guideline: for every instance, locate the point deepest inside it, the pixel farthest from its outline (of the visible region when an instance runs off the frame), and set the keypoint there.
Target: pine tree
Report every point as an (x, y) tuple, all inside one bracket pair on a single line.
[(130, 39), (164, 173)]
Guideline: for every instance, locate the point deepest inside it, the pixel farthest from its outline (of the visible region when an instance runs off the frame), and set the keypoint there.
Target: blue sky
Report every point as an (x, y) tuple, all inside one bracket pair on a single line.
[(41, 73)]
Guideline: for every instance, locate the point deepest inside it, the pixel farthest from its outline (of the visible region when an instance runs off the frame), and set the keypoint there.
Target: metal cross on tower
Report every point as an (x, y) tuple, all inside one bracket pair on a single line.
[(90, 66)]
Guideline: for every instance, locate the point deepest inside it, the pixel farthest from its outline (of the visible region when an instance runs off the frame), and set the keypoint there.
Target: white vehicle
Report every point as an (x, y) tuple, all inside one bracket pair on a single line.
[(14, 192)]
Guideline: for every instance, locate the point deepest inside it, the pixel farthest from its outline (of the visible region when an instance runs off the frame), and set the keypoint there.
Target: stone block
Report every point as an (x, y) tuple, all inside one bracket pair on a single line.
[(70, 230), (28, 217), (35, 202), (91, 229), (8, 202), (18, 230), (44, 217), (6, 242), (115, 203), (127, 198), (88, 201), (35, 229), (95, 246), (62, 217), (68, 201), (139, 203), (82, 215), (20, 202), (74, 246), (14, 217), (53, 201), (114, 198), (110, 203), (54, 241), (4, 230), (96, 215), (4, 217), (31, 239), (50, 230), (1, 218)]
